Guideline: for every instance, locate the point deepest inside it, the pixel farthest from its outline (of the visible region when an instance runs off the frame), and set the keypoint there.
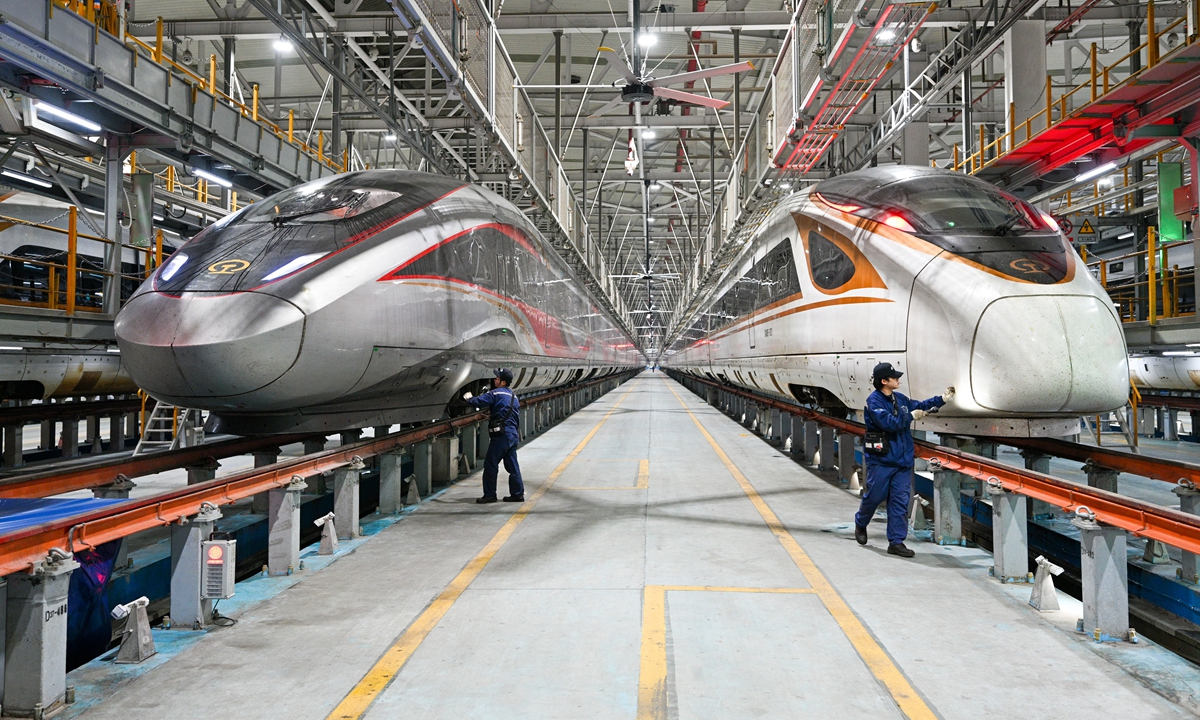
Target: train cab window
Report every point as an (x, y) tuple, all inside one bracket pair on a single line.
[(831, 266)]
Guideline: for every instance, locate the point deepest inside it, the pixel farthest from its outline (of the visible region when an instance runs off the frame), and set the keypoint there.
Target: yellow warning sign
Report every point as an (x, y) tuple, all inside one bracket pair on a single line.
[(1086, 228)]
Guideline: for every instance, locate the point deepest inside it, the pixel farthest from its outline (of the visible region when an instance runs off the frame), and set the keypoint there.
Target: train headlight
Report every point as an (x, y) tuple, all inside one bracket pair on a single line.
[(173, 266), (897, 221)]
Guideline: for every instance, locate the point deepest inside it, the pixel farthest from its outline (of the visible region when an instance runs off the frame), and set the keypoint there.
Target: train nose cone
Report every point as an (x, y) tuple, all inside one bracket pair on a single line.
[(206, 346), (1042, 354)]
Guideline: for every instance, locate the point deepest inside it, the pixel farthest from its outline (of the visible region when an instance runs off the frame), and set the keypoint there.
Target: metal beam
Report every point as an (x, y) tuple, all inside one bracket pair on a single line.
[(663, 22)]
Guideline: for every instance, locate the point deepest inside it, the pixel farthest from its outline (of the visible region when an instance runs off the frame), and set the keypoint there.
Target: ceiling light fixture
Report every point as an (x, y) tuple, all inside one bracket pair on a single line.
[(1096, 172), (70, 117), (647, 40), (647, 134), (283, 45), (390, 137), (885, 35), (26, 178), (212, 178)]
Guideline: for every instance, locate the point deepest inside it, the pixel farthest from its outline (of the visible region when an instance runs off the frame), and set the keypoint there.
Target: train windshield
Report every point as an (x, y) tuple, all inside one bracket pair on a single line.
[(958, 213), (285, 233)]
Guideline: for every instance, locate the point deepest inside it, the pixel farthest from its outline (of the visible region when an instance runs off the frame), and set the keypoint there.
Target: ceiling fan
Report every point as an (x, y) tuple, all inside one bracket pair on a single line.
[(644, 88)]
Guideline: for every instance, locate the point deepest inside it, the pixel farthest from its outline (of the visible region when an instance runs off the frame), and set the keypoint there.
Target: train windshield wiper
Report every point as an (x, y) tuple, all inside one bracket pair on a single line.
[(281, 219), (1009, 224)]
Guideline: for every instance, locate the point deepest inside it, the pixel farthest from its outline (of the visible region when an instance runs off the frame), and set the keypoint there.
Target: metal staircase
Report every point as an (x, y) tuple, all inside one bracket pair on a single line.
[(169, 427)]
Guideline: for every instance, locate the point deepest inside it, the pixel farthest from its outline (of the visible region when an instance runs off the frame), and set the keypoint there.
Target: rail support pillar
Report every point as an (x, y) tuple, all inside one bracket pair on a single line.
[(1189, 502), (116, 490), (1099, 477), (314, 445), (1038, 462), (391, 482), (93, 440), (188, 610), (70, 438), (1010, 535), (283, 527), (445, 459), (35, 667), (828, 459), (947, 506), (380, 430), (350, 436), (423, 467), (345, 499), (261, 502), (14, 446), (785, 431), (1105, 581), (48, 428), (1171, 426), (467, 441), (116, 433), (812, 434), (203, 472), (845, 460), (484, 442)]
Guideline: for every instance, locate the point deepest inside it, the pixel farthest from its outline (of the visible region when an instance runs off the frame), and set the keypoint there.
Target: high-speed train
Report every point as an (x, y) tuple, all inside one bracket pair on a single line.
[(1157, 372), (951, 280), (368, 298)]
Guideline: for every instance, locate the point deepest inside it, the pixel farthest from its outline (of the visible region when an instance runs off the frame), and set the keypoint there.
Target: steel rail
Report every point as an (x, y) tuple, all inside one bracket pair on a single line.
[(1172, 527), (1172, 471), (28, 414), (105, 471), (22, 549)]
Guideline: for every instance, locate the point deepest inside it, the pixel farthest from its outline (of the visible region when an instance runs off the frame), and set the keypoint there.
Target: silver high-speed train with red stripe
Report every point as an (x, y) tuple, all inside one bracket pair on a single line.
[(364, 299), (953, 281)]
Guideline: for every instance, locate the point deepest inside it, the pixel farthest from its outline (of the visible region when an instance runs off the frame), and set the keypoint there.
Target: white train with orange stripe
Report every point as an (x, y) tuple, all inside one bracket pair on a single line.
[(948, 278)]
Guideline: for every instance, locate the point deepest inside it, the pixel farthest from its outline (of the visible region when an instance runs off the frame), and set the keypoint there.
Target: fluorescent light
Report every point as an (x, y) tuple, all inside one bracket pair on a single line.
[(647, 39), (159, 218), (211, 178), (283, 45), (68, 116), (112, 349), (390, 137), (1192, 345), (656, 185), (172, 266), (650, 220), (1179, 352), (295, 265), (11, 347), (1126, 236), (26, 178), (886, 35), (647, 134), (1096, 172)]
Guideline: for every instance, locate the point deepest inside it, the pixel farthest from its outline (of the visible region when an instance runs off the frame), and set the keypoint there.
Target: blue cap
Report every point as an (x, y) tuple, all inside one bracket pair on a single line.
[(504, 374)]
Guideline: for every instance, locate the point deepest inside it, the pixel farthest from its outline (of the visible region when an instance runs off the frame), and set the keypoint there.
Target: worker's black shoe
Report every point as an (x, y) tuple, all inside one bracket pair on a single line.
[(486, 499), (860, 534), (514, 498), (899, 549)]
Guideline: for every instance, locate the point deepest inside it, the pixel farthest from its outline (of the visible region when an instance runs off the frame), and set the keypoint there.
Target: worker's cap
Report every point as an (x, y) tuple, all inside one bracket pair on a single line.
[(504, 374), (884, 371)]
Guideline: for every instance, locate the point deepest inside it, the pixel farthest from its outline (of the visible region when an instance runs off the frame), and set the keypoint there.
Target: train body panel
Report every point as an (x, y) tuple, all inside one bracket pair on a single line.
[(37, 374), (406, 289), (1009, 319), (1156, 372)]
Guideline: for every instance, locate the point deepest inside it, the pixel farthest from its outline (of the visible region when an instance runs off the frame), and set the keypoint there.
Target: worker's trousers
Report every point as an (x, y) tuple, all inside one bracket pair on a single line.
[(894, 485), (502, 448)]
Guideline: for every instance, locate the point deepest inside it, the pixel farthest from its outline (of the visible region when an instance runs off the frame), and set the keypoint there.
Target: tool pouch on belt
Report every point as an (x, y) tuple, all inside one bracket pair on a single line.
[(495, 428), (875, 442)]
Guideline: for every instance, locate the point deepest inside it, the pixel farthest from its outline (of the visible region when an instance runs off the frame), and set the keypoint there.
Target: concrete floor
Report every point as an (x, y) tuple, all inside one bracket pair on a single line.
[(663, 574)]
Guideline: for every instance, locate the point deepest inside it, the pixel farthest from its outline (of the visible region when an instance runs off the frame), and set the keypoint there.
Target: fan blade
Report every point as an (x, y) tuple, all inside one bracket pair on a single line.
[(607, 106), (701, 74), (615, 59), (692, 98)]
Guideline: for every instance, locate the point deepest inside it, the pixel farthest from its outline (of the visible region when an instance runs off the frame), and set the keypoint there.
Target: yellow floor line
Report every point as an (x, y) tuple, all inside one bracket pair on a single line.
[(872, 654), (355, 704)]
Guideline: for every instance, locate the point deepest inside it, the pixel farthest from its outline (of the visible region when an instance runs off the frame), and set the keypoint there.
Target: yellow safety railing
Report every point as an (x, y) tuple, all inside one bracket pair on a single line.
[(1158, 295), (1098, 84), (103, 14)]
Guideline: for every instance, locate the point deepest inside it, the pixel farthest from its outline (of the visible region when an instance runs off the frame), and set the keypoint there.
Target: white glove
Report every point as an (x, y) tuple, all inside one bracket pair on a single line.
[(467, 396), (948, 394), (918, 415)]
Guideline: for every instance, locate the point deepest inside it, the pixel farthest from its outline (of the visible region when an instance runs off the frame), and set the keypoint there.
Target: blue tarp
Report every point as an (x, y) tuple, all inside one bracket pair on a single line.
[(18, 514)]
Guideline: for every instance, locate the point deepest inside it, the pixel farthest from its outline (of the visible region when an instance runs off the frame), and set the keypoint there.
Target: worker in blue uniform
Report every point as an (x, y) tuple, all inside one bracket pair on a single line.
[(504, 436), (888, 455)]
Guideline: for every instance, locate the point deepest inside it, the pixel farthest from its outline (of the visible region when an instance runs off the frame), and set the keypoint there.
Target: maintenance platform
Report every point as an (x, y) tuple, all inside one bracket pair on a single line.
[(667, 563)]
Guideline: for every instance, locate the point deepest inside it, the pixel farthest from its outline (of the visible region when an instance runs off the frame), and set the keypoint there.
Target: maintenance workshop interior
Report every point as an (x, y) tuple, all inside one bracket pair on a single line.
[(623, 359)]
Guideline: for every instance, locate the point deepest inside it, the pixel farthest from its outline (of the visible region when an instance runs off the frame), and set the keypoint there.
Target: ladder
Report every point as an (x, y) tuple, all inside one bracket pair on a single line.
[(169, 427)]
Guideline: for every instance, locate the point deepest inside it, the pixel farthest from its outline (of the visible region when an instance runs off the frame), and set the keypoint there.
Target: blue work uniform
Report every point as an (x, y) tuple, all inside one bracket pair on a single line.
[(889, 476), (505, 411)]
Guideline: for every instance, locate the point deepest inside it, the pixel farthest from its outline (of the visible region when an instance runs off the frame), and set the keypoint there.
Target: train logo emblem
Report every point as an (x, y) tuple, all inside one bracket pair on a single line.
[(1029, 266), (228, 267)]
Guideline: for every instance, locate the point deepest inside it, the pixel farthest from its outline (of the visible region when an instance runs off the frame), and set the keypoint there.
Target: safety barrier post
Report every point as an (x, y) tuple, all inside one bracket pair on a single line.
[(1152, 273), (212, 74), (158, 40), (1010, 535), (391, 483), (1151, 37), (346, 499), (1094, 73), (35, 669), (254, 102), (1104, 571), (72, 257)]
